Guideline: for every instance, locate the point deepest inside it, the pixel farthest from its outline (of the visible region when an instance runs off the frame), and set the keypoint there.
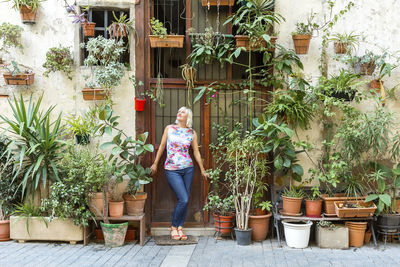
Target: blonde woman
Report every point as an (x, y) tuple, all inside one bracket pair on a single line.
[(178, 166)]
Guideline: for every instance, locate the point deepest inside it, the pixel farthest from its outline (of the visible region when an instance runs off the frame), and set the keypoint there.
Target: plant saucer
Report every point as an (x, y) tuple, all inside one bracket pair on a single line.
[(290, 214)]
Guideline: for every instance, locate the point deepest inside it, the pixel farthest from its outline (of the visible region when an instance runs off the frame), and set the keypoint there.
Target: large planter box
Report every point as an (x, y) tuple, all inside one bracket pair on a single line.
[(170, 41), (329, 202), (56, 230), (336, 238), (363, 209)]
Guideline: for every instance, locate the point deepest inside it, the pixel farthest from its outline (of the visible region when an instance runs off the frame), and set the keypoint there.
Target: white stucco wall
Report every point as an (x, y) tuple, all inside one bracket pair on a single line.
[(375, 20), (54, 27)]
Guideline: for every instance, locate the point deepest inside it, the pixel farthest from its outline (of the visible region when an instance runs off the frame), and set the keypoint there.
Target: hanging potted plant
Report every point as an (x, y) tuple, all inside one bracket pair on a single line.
[(255, 21), (27, 9), (246, 166), (344, 43), (10, 36), (122, 26), (140, 98), (209, 3), (15, 76), (58, 59), (160, 38), (106, 68), (377, 84), (87, 26), (342, 86), (82, 127), (302, 36), (366, 64)]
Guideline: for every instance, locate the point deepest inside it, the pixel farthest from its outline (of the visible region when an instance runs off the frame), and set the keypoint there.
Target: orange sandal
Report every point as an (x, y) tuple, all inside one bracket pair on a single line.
[(174, 233), (181, 234)]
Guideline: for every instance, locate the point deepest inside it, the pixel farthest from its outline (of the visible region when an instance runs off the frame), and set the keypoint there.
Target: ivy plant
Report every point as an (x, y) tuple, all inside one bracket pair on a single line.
[(58, 59), (10, 35)]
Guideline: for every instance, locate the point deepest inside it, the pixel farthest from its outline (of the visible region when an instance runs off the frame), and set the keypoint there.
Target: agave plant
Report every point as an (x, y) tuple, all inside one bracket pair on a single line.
[(36, 143)]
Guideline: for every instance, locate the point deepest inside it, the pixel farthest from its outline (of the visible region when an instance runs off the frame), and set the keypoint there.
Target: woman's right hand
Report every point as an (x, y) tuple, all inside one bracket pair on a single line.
[(153, 168)]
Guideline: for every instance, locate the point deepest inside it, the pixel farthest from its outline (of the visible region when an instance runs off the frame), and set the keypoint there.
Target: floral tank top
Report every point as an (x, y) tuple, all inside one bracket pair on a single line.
[(178, 143)]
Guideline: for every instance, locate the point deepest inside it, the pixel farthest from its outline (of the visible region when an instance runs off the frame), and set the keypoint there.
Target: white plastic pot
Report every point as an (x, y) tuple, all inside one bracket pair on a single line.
[(297, 233)]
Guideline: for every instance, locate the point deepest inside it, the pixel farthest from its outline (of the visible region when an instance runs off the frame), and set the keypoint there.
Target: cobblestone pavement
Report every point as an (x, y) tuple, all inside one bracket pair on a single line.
[(205, 253)]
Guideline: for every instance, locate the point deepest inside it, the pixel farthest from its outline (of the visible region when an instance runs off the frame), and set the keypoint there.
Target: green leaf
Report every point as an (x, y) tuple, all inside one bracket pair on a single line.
[(106, 145), (148, 147), (298, 169), (278, 162), (115, 151), (385, 198), (371, 197), (108, 130)]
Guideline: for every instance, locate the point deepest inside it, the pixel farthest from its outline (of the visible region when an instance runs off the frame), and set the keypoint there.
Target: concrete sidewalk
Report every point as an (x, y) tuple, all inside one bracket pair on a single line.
[(205, 253)]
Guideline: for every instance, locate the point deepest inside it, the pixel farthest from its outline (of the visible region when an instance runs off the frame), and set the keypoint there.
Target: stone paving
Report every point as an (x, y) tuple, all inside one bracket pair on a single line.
[(205, 253)]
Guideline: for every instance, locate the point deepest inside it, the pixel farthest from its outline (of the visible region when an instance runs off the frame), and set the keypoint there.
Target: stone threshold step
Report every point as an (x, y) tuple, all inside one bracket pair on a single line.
[(195, 231)]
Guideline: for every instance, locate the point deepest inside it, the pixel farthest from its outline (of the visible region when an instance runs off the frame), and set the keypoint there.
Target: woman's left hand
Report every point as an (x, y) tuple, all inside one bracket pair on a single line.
[(205, 175)]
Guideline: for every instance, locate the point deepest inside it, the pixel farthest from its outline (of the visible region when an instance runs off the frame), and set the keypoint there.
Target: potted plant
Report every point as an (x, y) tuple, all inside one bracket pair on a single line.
[(122, 26), (246, 167), (333, 236), (140, 99), (27, 9), (219, 204), (303, 33), (160, 38), (106, 68), (366, 64), (58, 59), (259, 222), (385, 69), (10, 36), (344, 43), (82, 127), (126, 160), (16, 76), (292, 199), (255, 21), (209, 3), (342, 86), (87, 26), (314, 203), (115, 200)]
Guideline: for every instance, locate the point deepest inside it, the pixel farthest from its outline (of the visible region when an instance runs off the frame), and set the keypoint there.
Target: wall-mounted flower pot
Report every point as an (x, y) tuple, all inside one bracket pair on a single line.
[(243, 237), (313, 208), (94, 94), (297, 233), (28, 15), (140, 104), (340, 48), (223, 224), (301, 43), (376, 85), (354, 208), (291, 206), (356, 233), (82, 139), (118, 32), (329, 202), (368, 68), (88, 29), (244, 41), (135, 204), (5, 230), (260, 226), (114, 234), (346, 96), (116, 208), (215, 2), (19, 79), (170, 41)]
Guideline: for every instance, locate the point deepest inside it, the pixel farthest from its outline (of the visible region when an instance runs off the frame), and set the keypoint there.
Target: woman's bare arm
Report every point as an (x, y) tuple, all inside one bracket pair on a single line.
[(160, 151), (197, 155)]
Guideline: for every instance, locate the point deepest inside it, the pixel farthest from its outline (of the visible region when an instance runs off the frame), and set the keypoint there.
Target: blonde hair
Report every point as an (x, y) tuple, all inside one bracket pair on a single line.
[(189, 121)]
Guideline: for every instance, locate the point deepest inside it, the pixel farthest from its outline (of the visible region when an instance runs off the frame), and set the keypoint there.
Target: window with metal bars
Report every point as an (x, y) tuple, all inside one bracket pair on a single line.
[(104, 18)]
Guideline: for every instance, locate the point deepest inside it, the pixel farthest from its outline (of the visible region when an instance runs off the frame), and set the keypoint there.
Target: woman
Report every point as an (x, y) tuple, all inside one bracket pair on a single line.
[(178, 166)]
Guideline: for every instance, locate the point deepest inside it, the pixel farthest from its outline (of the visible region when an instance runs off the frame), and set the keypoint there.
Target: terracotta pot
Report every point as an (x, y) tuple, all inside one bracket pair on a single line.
[(88, 29), (340, 48), (313, 208), (244, 41), (375, 84), (129, 237), (260, 226), (367, 68), (223, 224), (135, 204), (96, 204), (301, 43), (28, 16), (259, 211), (356, 233), (367, 237), (365, 209), (329, 204), (94, 94), (291, 205), (215, 2), (116, 208), (118, 32), (19, 79), (5, 230), (170, 41)]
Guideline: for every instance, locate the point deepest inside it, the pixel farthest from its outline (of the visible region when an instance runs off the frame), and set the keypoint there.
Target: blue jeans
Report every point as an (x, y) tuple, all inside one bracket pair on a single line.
[(180, 182)]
